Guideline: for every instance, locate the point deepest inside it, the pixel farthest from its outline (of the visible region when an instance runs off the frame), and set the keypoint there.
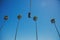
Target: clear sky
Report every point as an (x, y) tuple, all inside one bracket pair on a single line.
[(43, 9)]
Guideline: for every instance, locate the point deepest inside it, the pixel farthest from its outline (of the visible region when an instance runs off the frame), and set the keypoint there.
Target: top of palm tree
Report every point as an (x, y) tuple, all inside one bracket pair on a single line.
[(29, 15), (5, 17), (53, 20), (19, 16), (35, 18)]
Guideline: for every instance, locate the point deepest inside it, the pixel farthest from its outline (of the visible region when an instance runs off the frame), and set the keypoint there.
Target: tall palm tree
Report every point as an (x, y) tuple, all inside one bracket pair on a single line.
[(35, 19), (19, 17), (5, 19), (29, 13), (53, 22)]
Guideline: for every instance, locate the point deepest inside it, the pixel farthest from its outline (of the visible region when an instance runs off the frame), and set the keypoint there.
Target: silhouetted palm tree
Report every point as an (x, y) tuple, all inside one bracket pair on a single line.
[(5, 19), (53, 22), (35, 19), (19, 17)]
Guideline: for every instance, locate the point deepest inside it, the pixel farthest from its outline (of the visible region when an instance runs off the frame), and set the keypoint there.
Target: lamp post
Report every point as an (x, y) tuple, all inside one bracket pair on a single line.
[(35, 19), (18, 17), (53, 22), (29, 13), (5, 19)]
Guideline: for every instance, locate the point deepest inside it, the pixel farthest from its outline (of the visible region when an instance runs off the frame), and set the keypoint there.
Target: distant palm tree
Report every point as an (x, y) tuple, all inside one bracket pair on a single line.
[(35, 19), (19, 17), (5, 19), (53, 22)]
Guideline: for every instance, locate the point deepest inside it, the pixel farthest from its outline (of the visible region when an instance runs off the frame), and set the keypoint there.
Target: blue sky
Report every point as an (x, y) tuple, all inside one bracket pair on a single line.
[(43, 9)]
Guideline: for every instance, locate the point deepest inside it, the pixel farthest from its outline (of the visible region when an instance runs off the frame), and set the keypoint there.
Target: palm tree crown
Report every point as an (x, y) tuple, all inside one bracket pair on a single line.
[(53, 20), (19, 16), (35, 18), (5, 17)]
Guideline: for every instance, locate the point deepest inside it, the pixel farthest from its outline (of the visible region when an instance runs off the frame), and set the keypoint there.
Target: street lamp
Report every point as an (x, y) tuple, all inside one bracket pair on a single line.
[(29, 13), (35, 20), (18, 17)]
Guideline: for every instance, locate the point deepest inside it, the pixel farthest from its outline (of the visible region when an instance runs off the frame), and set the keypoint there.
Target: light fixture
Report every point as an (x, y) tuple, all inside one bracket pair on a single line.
[(29, 13)]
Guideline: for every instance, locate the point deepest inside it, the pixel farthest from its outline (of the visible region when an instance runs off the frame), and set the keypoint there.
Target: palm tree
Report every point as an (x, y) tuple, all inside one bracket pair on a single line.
[(53, 22), (29, 13), (35, 19), (19, 17), (5, 19)]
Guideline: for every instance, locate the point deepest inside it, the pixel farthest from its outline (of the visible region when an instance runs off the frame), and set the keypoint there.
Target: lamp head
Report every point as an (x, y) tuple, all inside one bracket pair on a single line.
[(29, 15)]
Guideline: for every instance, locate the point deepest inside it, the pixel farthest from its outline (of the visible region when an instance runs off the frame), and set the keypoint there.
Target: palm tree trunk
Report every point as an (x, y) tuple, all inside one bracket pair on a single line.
[(2, 26), (57, 30), (16, 30), (36, 31)]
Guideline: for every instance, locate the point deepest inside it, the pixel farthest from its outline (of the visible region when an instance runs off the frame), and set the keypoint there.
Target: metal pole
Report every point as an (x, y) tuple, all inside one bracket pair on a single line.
[(29, 13), (30, 4)]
